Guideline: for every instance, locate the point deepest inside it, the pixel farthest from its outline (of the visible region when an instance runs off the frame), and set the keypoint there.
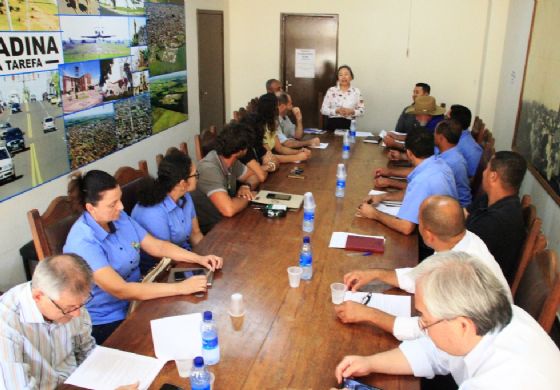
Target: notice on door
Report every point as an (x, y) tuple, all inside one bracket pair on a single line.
[(305, 63)]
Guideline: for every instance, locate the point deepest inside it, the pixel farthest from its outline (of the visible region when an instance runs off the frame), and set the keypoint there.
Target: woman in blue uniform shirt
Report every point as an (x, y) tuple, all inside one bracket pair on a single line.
[(110, 241), (165, 208)]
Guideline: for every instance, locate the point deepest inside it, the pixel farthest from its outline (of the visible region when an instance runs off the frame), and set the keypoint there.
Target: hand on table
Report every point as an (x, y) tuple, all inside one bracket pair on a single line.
[(382, 182), (350, 312), (352, 366), (374, 199), (396, 155), (354, 280), (378, 172), (245, 192), (314, 141), (212, 262), (192, 285)]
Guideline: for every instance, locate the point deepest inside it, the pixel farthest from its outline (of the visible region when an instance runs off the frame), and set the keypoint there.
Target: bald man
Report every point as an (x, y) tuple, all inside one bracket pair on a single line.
[(442, 226)]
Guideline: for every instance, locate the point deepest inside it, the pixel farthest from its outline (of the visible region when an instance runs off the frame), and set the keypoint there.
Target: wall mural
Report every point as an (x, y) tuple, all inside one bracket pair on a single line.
[(81, 79)]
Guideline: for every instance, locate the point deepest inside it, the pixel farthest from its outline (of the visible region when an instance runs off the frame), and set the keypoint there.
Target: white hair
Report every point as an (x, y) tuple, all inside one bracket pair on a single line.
[(68, 272)]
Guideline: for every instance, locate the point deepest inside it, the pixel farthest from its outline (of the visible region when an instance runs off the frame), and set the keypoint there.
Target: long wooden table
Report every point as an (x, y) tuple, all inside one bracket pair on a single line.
[(290, 338)]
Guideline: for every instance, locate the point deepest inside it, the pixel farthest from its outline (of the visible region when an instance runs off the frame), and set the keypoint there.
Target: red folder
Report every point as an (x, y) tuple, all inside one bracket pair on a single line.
[(365, 244)]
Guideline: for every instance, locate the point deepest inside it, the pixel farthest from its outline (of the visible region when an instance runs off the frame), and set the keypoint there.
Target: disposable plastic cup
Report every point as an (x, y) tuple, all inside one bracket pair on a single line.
[(337, 293), (184, 367), (236, 307), (294, 276)]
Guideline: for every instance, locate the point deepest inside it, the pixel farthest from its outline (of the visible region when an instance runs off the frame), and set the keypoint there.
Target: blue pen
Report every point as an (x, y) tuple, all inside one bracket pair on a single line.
[(360, 254)]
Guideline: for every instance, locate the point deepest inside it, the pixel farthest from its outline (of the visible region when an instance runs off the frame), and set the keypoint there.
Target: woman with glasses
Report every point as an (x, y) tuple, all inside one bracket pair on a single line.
[(165, 208), (110, 242)]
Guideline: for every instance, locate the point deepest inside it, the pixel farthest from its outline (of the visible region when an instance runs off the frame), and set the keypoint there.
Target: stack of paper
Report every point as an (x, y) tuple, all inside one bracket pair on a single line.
[(177, 337), (314, 131)]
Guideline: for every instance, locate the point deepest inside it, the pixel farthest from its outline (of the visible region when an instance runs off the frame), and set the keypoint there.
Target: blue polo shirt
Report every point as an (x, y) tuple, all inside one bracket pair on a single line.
[(432, 177), (458, 165), (119, 250), (470, 150)]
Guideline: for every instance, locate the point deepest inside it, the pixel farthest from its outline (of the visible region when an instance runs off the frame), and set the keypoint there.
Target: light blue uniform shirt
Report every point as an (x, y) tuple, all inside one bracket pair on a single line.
[(167, 221), (119, 250), (470, 150), (458, 165), (432, 177)]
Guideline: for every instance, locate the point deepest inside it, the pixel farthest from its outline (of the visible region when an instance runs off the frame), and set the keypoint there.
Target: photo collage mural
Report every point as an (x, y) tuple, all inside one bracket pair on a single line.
[(81, 79)]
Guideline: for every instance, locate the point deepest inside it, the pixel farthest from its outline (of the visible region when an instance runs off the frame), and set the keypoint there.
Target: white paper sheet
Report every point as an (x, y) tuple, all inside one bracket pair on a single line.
[(107, 369), (340, 132), (376, 192), (322, 145), (305, 63), (396, 132), (397, 305), (383, 133), (391, 210), (314, 131), (364, 134), (177, 337), (338, 239)]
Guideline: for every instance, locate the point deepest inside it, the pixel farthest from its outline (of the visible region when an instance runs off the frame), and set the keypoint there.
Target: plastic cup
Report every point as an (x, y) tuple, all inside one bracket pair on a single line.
[(236, 308), (294, 276), (337, 293), (184, 367)]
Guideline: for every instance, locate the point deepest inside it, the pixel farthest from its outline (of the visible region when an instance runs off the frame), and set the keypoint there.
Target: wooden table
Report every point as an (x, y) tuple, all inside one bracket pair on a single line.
[(290, 338)]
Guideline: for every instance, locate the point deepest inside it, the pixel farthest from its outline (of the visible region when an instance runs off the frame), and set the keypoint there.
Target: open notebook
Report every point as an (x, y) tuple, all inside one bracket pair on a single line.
[(291, 201)]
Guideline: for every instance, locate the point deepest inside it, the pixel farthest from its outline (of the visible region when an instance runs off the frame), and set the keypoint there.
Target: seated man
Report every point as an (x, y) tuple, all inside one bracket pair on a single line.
[(288, 133), (273, 86), (472, 332), (496, 217), (46, 331), (446, 138), (217, 194), (431, 176), (442, 226), (407, 122), (467, 145)]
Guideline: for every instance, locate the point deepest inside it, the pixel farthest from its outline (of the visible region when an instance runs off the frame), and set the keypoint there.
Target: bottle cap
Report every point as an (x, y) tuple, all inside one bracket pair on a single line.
[(198, 362), (207, 315), (308, 201), (306, 240)]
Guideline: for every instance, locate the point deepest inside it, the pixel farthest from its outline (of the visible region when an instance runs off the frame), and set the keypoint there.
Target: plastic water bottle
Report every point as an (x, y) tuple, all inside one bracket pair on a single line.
[(210, 346), (308, 212), (353, 131), (345, 147), (340, 181), (306, 259), (200, 377)]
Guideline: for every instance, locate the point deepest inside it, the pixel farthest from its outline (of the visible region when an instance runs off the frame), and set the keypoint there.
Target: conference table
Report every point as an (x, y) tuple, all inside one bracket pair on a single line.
[(290, 338)]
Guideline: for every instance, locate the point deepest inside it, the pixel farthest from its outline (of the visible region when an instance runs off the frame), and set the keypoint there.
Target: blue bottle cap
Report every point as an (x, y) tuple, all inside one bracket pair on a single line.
[(306, 240), (198, 362), (207, 315)]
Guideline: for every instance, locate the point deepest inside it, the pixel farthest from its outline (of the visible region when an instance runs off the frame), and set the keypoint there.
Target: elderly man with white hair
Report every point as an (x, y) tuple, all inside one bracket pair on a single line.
[(472, 331)]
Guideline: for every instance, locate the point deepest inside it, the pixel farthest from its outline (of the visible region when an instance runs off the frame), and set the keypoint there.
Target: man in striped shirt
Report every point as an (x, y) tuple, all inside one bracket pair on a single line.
[(45, 332)]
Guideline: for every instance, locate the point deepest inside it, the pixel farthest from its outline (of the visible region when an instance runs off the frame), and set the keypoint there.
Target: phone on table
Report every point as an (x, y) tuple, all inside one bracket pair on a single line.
[(352, 384), (180, 274), (169, 386), (276, 196)]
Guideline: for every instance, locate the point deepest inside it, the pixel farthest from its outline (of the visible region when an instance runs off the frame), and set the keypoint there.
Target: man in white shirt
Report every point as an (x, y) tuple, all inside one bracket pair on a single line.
[(472, 331), (442, 226), (290, 134)]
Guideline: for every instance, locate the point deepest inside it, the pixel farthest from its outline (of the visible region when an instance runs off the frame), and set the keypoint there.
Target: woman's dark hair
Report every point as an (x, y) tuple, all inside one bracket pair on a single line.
[(87, 188), (345, 67), (174, 167), (255, 129), (267, 111)]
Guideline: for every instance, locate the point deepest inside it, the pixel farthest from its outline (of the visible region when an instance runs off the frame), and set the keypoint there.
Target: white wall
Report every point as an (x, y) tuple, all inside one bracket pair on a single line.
[(14, 229)]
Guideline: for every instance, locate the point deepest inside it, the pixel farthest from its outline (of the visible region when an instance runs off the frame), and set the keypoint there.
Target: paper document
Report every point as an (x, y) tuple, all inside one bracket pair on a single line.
[(340, 132), (338, 239), (376, 192), (322, 145), (388, 209), (397, 133), (107, 369), (383, 133), (314, 131), (397, 305), (364, 134), (177, 337)]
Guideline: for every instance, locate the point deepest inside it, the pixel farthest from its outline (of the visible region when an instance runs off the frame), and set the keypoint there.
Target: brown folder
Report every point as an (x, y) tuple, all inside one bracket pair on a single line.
[(365, 244)]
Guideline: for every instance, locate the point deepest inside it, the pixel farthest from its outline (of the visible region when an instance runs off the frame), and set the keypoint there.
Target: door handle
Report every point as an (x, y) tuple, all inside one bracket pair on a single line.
[(287, 85)]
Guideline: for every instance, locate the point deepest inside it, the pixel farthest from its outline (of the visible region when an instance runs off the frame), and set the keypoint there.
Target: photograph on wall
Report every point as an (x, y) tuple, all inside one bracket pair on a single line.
[(139, 56), (78, 7), (169, 100), (29, 15), (93, 37), (79, 84), (133, 120), (537, 135), (31, 131), (116, 78), (140, 82), (91, 135), (138, 31), (121, 7)]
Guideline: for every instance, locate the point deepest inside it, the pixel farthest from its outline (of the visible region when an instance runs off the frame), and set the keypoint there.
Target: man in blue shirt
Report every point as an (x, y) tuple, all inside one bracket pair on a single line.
[(467, 145), (431, 176), (446, 138)]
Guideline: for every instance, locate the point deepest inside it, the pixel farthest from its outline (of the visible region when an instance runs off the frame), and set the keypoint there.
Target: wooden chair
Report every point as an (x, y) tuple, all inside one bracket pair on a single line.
[(49, 230), (159, 157), (476, 127), (129, 180), (539, 288), (487, 153), (527, 252), (183, 147), (526, 200), (204, 142)]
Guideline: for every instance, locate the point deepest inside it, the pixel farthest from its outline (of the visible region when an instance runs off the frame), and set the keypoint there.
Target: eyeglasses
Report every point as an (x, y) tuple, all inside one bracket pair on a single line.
[(66, 312), (424, 328), (196, 174), (367, 298)]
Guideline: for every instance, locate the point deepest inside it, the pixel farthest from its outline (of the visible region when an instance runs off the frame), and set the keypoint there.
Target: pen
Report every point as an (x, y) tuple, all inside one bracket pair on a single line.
[(360, 254)]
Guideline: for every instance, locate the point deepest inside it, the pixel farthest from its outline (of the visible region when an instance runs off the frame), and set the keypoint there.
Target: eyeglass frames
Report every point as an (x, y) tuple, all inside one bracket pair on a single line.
[(66, 312)]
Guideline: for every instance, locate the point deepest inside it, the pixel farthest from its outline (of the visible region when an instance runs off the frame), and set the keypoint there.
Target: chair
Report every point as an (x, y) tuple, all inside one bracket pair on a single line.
[(49, 231), (527, 251), (159, 157), (526, 200), (539, 289), (183, 147), (129, 180), (204, 142), (476, 127), (487, 153)]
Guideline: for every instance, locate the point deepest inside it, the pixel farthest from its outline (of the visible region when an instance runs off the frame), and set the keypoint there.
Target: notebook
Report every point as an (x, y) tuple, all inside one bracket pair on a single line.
[(365, 244), (292, 201)]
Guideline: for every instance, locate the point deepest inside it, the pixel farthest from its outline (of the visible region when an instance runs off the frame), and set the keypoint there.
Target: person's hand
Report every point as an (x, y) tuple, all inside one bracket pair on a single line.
[(133, 386), (314, 141), (192, 285), (377, 172), (396, 155), (352, 366), (245, 192), (350, 312), (297, 113), (367, 210), (303, 155), (391, 142), (382, 182), (374, 199), (354, 280), (212, 262)]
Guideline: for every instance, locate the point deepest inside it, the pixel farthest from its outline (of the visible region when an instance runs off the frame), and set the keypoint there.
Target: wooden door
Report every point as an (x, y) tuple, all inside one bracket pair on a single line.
[(210, 26), (308, 61)]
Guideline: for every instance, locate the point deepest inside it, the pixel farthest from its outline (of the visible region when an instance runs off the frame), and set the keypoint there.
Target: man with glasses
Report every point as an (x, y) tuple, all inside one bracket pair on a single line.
[(473, 332), (45, 332)]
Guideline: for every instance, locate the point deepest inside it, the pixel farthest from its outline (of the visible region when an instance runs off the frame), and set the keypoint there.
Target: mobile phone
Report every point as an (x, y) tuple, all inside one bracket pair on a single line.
[(209, 278), (180, 274), (169, 386), (276, 196), (352, 384)]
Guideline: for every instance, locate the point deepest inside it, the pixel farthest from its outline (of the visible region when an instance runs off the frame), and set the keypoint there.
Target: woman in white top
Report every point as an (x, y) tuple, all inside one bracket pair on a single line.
[(343, 102)]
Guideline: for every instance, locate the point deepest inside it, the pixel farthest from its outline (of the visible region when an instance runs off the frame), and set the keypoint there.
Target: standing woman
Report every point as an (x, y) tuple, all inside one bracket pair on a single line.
[(110, 242), (165, 208), (343, 102)]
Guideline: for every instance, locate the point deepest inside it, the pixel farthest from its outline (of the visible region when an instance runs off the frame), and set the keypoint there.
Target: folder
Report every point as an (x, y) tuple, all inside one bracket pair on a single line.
[(365, 244)]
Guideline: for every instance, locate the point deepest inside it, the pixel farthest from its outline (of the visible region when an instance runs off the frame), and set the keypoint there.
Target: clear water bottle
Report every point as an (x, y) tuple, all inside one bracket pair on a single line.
[(200, 377), (340, 181), (306, 259), (308, 212), (345, 146), (210, 346), (353, 131)]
